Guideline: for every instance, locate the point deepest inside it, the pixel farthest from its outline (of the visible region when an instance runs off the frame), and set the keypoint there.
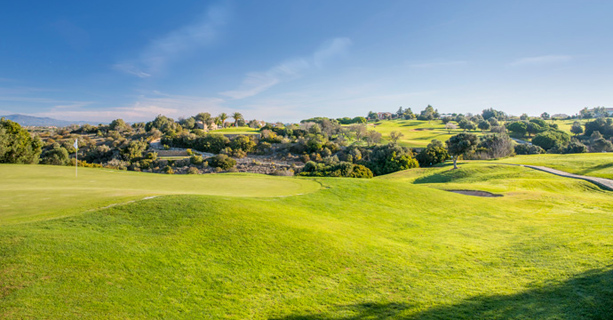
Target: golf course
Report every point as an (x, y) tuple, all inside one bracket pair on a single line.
[(126, 245)]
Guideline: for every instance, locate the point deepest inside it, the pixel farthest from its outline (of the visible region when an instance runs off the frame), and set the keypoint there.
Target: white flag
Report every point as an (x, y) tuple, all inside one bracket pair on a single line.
[(76, 144)]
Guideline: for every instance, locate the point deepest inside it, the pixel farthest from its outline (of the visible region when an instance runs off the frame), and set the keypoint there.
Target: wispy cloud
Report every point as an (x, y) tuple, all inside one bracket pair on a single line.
[(437, 64), (144, 108), (160, 52), (541, 60), (256, 82)]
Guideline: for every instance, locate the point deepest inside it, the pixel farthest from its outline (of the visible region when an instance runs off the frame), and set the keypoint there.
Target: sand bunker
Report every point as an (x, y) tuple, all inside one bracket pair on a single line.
[(476, 193)]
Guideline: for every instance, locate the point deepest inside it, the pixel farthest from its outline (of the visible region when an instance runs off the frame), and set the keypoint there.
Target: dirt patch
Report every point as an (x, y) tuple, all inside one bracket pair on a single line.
[(476, 193)]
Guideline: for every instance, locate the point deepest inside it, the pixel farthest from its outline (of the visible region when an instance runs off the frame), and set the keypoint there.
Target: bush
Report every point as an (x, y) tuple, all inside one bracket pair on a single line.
[(576, 147), (16, 144), (221, 161), (528, 149), (244, 143), (434, 153), (196, 159), (342, 169), (168, 170), (193, 170), (551, 139), (390, 158)]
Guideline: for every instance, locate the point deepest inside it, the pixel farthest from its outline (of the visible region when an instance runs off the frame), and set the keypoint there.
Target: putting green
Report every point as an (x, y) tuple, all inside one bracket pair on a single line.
[(35, 192)]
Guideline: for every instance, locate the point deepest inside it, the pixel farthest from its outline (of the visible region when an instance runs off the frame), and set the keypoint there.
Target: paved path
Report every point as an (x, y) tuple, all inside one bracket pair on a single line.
[(606, 184)]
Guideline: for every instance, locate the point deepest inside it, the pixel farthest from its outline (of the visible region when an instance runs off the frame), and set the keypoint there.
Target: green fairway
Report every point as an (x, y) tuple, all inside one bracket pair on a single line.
[(587, 164), (236, 130), (417, 133), (393, 247), (29, 192)]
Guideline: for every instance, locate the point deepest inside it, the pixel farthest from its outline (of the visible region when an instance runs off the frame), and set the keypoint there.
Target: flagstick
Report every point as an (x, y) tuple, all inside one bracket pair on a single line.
[(76, 164)]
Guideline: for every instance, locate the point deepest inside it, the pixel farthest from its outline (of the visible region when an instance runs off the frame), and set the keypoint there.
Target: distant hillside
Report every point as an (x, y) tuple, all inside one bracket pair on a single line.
[(42, 122)]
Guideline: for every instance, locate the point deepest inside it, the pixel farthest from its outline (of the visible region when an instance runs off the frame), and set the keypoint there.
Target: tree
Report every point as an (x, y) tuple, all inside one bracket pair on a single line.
[(222, 117), (372, 115), (373, 137), (491, 113), (390, 158), (577, 129), (360, 131), (395, 135), (524, 116), (428, 114), (237, 116), (518, 127), (551, 139), (203, 116), (16, 144), (451, 126), (467, 124), (434, 153), (461, 144), (484, 125), (57, 155), (545, 116), (119, 125)]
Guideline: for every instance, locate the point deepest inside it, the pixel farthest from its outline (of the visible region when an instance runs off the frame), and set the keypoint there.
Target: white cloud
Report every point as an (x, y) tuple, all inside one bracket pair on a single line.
[(541, 60), (154, 58), (257, 82), (426, 65)]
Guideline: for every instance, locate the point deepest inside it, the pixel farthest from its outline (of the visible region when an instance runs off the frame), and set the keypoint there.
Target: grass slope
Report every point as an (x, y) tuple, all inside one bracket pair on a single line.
[(587, 164), (417, 133), (29, 192), (398, 246)]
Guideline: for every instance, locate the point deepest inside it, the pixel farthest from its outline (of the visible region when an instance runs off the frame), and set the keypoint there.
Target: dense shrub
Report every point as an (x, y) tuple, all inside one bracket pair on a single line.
[(576, 147), (341, 169), (390, 158), (528, 149), (16, 144), (57, 155), (433, 154), (221, 161), (551, 139)]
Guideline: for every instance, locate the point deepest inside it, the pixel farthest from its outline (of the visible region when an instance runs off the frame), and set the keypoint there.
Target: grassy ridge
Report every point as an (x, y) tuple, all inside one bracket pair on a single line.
[(587, 164), (392, 247), (417, 134), (40, 192)]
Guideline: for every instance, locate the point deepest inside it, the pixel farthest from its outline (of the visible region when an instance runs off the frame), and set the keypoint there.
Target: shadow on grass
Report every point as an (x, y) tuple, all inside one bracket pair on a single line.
[(596, 168), (587, 296)]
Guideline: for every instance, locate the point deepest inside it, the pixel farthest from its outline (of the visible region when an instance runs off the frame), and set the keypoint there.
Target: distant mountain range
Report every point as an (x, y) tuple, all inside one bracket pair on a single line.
[(42, 122)]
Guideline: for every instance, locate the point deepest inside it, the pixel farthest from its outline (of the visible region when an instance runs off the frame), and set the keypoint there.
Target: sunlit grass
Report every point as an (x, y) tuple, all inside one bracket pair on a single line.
[(396, 246)]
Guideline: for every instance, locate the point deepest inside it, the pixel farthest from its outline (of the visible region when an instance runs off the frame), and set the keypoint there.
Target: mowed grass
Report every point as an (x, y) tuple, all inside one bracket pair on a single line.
[(394, 247), (588, 164), (29, 192), (417, 133), (236, 130)]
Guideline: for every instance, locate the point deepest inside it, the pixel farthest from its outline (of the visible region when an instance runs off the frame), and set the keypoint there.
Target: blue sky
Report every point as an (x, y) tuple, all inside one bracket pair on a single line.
[(290, 60)]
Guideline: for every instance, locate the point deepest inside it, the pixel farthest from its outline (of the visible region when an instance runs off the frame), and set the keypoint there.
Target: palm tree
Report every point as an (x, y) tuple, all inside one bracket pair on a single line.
[(237, 116), (223, 116)]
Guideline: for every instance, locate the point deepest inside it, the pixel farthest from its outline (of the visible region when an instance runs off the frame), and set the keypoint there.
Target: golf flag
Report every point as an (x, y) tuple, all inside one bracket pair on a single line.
[(76, 144)]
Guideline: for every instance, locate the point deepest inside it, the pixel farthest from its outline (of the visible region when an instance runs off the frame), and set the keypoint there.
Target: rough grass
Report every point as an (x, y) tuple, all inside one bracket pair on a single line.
[(29, 192), (391, 247), (588, 164), (417, 133)]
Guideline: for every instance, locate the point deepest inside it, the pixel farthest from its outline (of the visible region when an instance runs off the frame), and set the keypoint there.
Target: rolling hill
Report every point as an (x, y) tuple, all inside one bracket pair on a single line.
[(395, 247)]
